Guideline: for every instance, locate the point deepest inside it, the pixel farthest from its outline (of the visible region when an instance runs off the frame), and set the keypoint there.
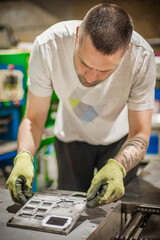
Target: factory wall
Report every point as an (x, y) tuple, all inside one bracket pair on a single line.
[(26, 19), (29, 18)]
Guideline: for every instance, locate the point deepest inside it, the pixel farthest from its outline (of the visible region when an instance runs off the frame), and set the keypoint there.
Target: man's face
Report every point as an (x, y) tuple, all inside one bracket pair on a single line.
[(92, 66)]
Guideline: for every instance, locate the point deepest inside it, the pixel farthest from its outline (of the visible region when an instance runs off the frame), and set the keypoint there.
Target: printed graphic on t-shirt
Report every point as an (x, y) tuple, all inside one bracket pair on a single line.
[(85, 112)]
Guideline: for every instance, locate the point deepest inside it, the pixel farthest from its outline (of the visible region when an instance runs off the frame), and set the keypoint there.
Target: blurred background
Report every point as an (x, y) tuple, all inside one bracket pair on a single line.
[(20, 22), (30, 18)]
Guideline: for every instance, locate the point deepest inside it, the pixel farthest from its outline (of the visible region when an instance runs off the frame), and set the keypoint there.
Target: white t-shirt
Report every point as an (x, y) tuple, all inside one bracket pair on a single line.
[(99, 114)]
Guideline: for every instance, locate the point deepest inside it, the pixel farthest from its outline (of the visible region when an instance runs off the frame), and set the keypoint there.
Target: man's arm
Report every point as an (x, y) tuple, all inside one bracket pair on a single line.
[(134, 149), (29, 136), (107, 186), (32, 126)]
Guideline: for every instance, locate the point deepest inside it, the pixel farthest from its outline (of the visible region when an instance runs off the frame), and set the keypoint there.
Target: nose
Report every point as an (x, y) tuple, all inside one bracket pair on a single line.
[(91, 75)]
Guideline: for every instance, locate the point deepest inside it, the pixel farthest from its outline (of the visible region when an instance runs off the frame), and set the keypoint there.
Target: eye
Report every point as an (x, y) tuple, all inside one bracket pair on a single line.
[(83, 65)]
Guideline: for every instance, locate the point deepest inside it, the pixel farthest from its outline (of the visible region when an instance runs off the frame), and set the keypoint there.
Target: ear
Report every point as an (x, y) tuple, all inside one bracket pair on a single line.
[(77, 30), (129, 46)]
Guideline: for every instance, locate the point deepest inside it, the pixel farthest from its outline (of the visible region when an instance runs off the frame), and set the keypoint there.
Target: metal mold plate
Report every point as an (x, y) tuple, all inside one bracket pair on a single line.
[(50, 212)]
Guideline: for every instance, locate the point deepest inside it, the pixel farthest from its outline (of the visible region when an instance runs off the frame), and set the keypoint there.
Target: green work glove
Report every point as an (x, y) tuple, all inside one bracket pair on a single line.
[(107, 186), (21, 178)]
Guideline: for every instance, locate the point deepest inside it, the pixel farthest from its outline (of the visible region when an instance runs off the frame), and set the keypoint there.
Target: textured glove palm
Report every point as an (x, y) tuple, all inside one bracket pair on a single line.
[(107, 186), (21, 178)]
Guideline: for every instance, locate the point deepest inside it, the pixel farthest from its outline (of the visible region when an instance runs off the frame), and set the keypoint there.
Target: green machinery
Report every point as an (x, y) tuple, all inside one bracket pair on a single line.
[(13, 91)]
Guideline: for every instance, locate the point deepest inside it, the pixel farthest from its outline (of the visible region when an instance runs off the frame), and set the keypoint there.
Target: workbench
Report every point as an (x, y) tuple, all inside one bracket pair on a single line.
[(145, 189)]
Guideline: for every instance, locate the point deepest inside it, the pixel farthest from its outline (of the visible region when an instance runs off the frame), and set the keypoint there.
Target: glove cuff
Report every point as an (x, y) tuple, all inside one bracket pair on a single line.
[(29, 153), (111, 160), (22, 154)]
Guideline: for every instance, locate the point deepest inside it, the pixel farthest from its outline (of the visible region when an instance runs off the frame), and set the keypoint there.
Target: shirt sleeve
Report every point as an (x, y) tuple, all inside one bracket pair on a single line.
[(141, 96), (39, 81)]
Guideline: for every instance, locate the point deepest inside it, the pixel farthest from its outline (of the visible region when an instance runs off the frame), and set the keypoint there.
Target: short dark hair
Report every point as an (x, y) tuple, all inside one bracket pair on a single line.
[(109, 27)]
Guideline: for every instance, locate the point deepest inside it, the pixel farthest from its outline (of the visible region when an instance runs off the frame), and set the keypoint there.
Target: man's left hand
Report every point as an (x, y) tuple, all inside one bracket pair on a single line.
[(107, 186)]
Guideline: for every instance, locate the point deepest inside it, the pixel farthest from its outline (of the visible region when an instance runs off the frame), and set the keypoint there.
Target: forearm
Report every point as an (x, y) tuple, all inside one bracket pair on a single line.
[(132, 152), (29, 136)]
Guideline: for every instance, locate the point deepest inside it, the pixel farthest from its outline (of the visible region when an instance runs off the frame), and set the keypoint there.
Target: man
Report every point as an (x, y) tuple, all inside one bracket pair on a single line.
[(104, 74)]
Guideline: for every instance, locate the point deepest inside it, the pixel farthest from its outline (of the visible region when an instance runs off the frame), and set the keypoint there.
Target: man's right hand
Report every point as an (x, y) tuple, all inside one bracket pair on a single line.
[(21, 178)]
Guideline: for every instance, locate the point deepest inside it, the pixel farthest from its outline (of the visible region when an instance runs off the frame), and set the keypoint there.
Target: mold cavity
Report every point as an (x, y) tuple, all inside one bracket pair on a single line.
[(25, 215), (41, 210), (58, 221), (81, 195), (40, 217), (28, 209), (34, 202), (47, 204)]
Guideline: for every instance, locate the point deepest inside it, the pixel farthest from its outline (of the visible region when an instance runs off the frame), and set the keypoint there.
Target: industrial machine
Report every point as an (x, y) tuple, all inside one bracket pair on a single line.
[(139, 221), (11, 83), (61, 212), (13, 89), (50, 214)]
